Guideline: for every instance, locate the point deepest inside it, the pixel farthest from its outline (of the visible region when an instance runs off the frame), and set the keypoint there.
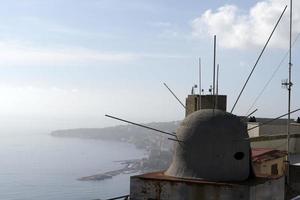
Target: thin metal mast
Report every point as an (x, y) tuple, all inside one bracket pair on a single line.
[(214, 67), (141, 125), (214, 72), (281, 116), (200, 85), (217, 89), (289, 88), (260, 55), (217, 86), (254, 111), (174, 95)]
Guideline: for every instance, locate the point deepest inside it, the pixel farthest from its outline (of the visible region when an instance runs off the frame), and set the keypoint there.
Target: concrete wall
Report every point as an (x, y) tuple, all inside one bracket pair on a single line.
[(207, 102), (277, 129), (297, 145), (270, 129), (294, 180), (271, 190), (277, 142), (255, 131), (151, 189), (192, 103), (164, 190)]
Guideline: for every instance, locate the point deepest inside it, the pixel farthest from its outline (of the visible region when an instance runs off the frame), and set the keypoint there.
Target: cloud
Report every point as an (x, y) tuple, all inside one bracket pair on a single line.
[(33, 99), (51, 27), (16, 53), (237, 28)]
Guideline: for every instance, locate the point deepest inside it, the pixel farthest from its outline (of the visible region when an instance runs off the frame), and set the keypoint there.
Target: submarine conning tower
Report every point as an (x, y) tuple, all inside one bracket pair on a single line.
[(212, 145), (211, 160)]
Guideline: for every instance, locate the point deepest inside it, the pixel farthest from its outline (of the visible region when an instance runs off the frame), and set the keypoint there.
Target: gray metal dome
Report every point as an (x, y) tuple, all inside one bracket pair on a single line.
[(214, 147)]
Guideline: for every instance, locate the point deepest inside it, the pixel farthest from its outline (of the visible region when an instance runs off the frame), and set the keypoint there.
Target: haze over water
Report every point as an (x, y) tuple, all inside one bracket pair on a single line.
[(65, 64), (35, 166)]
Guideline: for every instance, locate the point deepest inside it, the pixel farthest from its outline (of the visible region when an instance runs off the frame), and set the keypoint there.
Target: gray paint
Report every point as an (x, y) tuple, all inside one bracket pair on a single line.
[(211, 138)]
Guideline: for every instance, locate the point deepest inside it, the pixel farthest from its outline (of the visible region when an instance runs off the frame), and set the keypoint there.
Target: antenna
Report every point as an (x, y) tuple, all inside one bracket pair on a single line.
[(214, 67), (285, 84), (140, 125), (174, 95), (217, 89), (147, 127), (210, 90), (176, 140), (260, 55), (115, 198), (254, 111), (214, 73), (274, 119), (217, 86), (193, 89), (200, 85), (245, 118), (290, 84), (272, 76)]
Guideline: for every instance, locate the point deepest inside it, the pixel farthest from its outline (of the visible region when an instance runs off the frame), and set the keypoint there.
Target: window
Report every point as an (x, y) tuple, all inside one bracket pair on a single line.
[(274, 169)]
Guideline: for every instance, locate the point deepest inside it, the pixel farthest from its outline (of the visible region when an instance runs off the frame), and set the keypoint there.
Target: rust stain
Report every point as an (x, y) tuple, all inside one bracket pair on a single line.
[(158, 190), (161, 177)]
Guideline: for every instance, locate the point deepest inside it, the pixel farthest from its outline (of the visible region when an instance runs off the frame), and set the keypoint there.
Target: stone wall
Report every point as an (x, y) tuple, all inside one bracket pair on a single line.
[(163, 188)]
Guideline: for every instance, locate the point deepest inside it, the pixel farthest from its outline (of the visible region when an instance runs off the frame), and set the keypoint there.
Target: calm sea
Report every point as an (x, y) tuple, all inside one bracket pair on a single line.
[(37, 166)]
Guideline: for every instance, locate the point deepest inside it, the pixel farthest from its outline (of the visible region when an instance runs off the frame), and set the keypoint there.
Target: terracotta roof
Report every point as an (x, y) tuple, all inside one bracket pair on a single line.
[(261, 151)]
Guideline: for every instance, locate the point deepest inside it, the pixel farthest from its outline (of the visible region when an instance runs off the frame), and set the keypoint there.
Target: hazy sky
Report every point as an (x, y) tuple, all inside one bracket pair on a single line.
[(66, 63)]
